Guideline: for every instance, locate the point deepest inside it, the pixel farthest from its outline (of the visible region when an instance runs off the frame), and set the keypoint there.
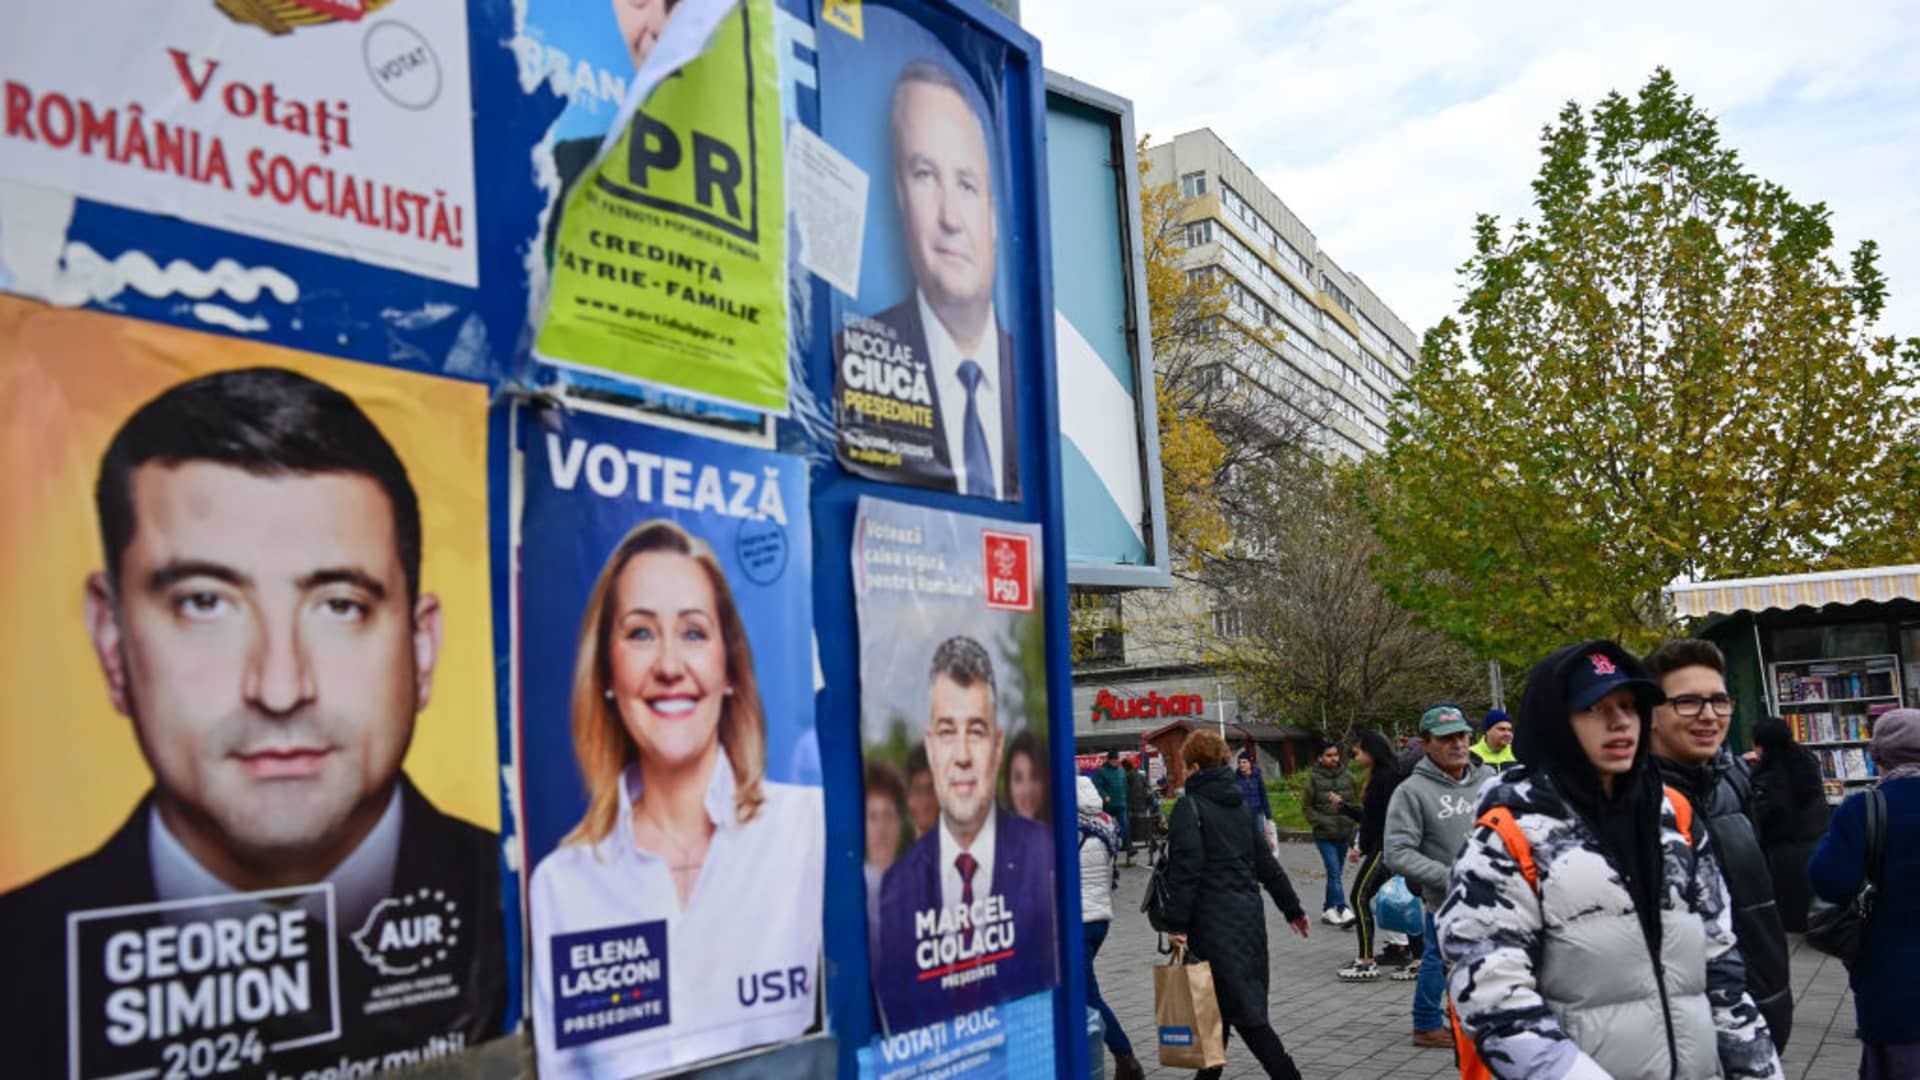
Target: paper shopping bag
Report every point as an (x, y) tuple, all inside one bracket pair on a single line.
[(1186, 1014)]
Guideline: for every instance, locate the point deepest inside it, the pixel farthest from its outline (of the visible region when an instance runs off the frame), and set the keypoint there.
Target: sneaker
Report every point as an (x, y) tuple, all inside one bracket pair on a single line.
[(1330, 916), (1394, 956), (1408, 973), (1360, 971), (1438, 1037), (1346, 918)]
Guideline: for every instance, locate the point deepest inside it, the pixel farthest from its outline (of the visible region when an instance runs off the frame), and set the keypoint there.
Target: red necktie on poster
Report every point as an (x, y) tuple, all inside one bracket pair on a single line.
[(966, 864)]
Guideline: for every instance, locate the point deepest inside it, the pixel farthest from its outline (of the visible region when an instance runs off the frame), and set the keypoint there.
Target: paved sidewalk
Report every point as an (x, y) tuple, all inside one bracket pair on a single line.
[(1360, 1031)]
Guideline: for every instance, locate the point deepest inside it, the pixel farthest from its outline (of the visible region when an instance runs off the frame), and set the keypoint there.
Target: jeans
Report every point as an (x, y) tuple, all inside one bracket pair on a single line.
[(1429, 992), (1096, 935), (1120, 828), (1333, 855)]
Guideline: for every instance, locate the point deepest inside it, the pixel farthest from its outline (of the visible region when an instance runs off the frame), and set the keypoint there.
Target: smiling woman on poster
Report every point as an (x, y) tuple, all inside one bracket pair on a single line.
[(680, 920)]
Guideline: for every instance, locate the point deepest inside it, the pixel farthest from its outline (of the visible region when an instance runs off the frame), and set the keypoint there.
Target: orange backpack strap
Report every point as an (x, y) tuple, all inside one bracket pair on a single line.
[(1682, 813), (1500, 820), (1465, 1053)]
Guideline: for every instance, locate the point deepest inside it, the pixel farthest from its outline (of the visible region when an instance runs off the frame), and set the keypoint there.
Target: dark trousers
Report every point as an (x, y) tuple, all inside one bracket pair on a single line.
[(1265, 1044), (1372, 876), (1096, 935)]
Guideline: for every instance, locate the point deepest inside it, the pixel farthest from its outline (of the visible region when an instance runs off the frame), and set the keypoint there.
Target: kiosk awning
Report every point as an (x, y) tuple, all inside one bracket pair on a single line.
[(1697, 598)]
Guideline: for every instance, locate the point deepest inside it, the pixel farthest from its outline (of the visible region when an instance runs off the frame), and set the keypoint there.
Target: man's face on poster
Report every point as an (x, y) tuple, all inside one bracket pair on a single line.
[(945, 191), (641, 22), (963, 746), (263, 643)]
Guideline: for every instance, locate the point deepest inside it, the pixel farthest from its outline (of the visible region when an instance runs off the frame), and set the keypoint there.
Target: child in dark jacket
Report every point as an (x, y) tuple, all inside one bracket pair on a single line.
[(1376, 755)]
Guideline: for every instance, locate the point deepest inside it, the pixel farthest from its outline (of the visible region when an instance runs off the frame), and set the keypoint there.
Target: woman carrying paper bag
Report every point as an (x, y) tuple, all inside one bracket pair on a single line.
[(1216, 865)]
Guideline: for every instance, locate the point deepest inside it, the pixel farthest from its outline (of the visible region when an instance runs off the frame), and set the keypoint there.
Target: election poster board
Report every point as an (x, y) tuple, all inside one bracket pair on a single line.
[(339, 126), (953, 725), (670, 773), (256, 686), (669, 256), (928, 350)]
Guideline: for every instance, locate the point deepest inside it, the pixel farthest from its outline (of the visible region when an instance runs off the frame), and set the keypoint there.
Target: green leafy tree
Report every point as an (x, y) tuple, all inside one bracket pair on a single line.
[(1667, 373)]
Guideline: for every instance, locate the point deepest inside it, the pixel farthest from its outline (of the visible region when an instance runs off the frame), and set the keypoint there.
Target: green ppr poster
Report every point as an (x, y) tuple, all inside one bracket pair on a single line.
[(671, 265)]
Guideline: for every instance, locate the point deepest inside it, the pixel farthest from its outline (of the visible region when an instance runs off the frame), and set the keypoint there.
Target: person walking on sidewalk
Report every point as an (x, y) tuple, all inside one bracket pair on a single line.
[(1099, 848), (1495, 747), (1689, 746), (1376, 755), (1790, 810), (1111, 783), (1141, 809), (1587, 930), (1217, 861), (1329, 787), (1427, 825), (1882, 982), (1253, 792)]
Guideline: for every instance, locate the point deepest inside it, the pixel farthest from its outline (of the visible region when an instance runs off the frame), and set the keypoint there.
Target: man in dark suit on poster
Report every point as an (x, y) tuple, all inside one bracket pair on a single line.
[(259, 619), (926, 387), (966, 914)]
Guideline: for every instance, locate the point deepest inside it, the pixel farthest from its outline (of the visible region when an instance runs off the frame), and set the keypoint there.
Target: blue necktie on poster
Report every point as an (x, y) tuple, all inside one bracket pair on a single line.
[(973, 446)]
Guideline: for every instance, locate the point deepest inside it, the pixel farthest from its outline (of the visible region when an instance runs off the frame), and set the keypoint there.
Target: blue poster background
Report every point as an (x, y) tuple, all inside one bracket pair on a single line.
[(565, 538)]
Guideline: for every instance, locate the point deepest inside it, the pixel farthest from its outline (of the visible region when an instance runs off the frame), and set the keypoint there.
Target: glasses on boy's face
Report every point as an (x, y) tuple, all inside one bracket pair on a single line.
[(1690, 706)]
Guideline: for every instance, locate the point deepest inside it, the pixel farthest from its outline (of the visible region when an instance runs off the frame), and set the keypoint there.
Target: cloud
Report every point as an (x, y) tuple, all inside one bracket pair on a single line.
[(1388, 124)]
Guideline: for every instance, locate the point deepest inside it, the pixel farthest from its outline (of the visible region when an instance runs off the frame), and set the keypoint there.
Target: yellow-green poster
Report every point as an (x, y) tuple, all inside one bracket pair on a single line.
[(670, 265)]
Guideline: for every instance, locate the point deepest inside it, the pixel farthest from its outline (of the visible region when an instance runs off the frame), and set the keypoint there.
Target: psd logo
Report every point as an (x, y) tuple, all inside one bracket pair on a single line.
[(1009, 562), (406, 934), (282, 16)]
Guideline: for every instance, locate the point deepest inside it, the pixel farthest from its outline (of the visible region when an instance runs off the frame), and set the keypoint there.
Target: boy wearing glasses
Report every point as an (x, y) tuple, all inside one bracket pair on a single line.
[(1689, 736)]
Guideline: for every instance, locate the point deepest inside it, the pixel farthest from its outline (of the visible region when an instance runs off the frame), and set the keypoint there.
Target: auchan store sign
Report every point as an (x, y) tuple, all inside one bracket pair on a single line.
[(1108, 706)]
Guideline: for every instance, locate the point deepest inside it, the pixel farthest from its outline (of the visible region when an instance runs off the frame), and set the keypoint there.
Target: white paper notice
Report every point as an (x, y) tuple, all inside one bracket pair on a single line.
[(336, 125), (828, 194)]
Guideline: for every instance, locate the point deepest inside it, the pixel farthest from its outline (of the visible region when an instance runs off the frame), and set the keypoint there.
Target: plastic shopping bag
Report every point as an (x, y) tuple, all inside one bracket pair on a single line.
[(1396, 908), (1186, 1014)]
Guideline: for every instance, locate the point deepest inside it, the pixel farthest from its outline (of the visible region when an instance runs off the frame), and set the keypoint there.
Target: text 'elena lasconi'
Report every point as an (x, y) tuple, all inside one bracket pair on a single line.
[(612, 472)]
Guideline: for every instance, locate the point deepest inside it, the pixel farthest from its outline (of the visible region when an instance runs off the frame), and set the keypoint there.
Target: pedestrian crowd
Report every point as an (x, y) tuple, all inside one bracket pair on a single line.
[(1604, 888)]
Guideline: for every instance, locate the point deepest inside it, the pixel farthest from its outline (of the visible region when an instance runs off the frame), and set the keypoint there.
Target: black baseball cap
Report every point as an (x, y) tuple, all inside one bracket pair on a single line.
[(1596, 674)]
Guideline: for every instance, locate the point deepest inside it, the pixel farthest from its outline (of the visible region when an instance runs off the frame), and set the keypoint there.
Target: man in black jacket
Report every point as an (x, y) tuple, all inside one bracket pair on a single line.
[(1689, 732)]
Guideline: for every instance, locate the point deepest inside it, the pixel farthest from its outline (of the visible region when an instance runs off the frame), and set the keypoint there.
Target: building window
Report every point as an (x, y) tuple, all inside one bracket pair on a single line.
[(1193, 185), (1200, 232), (1227, 623)]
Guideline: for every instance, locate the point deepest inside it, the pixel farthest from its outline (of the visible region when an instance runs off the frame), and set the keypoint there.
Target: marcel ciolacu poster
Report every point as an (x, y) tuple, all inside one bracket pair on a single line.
[(669, 767), (953, 722), (669, 260)]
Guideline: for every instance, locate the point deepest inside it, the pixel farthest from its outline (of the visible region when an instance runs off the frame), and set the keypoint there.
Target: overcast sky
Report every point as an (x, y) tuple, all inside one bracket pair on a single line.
[(1387, 124)]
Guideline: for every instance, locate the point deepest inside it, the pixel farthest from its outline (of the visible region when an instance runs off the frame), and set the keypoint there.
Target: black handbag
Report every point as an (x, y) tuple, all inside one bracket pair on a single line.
[(1155, 903), (1840, 930)]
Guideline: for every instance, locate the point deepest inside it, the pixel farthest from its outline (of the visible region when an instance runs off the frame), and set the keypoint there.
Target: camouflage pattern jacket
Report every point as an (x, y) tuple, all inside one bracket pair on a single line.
[(1562, 982)]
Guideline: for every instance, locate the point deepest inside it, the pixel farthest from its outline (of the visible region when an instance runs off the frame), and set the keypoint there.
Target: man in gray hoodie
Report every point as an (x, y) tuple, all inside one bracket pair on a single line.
[(1427, 826)]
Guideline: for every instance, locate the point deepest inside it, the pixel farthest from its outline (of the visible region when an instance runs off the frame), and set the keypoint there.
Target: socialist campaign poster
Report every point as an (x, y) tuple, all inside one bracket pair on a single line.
[(927, 352), (339, 126), (669, 236), (248, 809), (953, 721), (668, 764)]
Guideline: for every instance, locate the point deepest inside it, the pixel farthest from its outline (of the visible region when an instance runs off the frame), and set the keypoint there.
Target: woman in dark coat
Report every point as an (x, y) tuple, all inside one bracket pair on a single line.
[(1216, 863), (1790, 811)]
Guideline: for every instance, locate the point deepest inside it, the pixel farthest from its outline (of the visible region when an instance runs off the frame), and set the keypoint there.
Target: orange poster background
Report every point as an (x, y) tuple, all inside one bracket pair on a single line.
[(70, 771)]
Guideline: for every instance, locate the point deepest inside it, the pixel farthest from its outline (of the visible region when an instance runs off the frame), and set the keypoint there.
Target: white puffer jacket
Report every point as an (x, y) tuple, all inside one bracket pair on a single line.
[(1096, 862), (1558, 981)]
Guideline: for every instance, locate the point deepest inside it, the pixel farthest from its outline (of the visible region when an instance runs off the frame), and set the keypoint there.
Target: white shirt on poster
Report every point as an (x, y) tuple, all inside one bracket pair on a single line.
[(951, 885), (945, 357), (755, 908)]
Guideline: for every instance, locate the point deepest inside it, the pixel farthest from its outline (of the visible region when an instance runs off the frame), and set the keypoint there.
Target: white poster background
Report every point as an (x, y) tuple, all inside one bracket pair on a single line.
[(78, 77)]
